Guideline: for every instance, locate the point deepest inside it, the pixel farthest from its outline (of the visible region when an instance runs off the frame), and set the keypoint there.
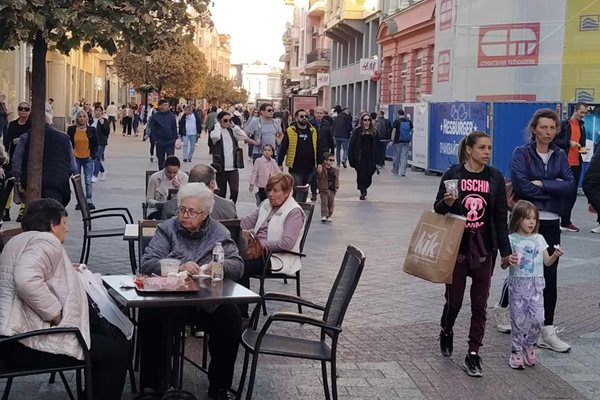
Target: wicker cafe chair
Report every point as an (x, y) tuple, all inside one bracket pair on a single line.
[(6, 372), (88, 216), (257, 342), (309, 210)]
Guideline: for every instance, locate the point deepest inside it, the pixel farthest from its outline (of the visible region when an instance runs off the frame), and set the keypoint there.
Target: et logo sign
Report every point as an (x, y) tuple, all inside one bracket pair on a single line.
[(508, 45)]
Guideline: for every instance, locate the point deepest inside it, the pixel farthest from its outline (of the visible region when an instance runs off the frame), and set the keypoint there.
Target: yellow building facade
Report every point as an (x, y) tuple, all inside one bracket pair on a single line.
[(581, 56), (215, 47)]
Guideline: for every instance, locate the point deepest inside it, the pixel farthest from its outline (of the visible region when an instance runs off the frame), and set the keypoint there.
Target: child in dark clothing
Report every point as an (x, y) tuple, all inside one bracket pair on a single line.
[(328, 182)]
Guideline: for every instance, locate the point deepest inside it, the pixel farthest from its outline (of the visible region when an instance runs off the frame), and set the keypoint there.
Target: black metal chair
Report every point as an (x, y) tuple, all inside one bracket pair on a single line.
[(146, 229), (144, 204), (257, 342), (301, 193), (309, 210), (9, 373), (87, 216)]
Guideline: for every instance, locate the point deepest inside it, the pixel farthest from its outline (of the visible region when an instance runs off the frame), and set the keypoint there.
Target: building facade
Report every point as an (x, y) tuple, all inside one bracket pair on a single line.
[(73, 78), (215, 47), (352, 25), (263, 83), (406, 36)]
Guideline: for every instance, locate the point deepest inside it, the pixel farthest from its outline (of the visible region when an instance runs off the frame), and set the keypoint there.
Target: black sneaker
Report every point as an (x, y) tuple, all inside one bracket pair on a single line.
[(20, 216), (472, 365), (91, 206), (6, 215), (344, 164), (446, 343)]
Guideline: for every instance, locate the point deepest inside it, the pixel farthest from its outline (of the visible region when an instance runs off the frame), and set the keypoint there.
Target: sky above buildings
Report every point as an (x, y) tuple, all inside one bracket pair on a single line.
[(255, 27)]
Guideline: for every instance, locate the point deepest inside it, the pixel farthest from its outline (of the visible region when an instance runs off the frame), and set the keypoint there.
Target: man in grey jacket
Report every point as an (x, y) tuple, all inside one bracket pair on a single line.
[(223, 208)]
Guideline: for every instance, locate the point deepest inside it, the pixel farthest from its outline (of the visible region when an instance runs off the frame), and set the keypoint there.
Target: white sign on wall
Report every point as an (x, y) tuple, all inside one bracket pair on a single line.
[(368, 66), (322, 79), (420, 142)]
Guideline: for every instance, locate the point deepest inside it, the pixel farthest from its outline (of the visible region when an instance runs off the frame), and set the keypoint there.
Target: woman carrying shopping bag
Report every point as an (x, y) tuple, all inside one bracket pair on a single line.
[(476, 191)]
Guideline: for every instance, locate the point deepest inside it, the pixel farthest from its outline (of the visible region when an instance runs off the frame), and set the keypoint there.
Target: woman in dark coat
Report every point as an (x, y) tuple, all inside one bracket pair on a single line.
[(362, 153)]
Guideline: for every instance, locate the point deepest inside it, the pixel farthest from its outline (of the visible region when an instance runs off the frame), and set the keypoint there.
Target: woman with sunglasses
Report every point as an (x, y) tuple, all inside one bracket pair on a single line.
[(227, 155), (362, 153)]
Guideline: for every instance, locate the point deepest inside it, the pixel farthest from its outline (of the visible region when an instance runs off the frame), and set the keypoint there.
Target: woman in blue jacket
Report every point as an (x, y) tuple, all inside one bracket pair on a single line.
[(540, 173)]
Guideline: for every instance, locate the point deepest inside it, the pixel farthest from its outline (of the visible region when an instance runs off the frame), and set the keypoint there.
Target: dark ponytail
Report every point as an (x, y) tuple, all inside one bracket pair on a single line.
[(470, 141)]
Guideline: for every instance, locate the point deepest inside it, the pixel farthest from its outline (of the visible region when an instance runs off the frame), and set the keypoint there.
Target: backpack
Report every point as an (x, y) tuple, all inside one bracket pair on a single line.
[(405, 132)]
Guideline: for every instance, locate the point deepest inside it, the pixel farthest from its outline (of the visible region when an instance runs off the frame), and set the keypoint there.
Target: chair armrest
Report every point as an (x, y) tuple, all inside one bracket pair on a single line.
[(123, 209), (302, 319), (50, 331), (122, 216), (288, 298)]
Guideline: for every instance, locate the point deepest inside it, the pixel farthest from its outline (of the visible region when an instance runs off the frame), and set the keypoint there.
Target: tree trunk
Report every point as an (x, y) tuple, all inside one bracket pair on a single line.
[(38, 110)]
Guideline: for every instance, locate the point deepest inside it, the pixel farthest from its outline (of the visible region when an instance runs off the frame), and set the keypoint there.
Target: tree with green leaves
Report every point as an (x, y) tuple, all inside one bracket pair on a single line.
[(66, 24), (220, 90), (174, 70)]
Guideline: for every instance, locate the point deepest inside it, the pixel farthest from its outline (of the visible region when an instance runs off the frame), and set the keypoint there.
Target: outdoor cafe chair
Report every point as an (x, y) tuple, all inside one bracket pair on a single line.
[(9, 373), (257, 342), (144, 204), (266, 273), (301, 193), (88, 216)]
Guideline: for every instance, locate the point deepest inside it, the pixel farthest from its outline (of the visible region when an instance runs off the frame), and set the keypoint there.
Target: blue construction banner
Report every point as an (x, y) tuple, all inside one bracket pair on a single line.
[(448, 123)]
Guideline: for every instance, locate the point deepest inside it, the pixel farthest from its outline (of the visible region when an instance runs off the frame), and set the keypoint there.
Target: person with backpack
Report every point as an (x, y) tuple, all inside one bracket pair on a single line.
[(402, 130)]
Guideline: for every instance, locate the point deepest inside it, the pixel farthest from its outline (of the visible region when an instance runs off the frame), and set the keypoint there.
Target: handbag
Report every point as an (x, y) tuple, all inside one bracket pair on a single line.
[(434, 246), (178, 144), (239, 158), (252, 249)]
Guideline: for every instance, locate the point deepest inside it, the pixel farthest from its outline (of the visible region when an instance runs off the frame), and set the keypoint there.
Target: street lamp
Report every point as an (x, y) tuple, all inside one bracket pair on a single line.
[(148, 60)]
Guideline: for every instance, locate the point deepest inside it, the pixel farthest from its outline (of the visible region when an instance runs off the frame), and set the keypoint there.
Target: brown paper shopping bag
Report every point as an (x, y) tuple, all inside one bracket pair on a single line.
[(434, 247)]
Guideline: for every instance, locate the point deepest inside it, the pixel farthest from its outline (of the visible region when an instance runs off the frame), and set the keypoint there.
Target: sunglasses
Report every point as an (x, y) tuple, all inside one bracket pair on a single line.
[(24, 109), (367, 119), (270, 110), (331, 160), (302, 116), (225, 120)]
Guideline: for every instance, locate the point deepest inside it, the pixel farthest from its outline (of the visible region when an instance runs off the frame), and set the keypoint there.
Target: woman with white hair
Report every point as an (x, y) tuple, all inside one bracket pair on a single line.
[(191, 237)]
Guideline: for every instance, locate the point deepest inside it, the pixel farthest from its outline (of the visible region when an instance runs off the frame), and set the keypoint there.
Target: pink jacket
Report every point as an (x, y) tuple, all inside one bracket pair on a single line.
[(262, 171)]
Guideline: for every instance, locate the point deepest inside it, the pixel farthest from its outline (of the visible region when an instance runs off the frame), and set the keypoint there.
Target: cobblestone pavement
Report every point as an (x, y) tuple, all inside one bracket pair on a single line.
[(389, 347)]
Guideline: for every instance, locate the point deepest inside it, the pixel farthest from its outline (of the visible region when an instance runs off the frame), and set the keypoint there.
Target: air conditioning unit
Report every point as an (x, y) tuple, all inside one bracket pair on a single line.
[(418, 70), (403, 73)]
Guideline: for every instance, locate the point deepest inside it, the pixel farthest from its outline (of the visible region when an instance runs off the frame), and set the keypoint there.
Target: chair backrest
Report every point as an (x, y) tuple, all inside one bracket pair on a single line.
[(146, 230), (81, 201), (7, 234), (309, 210), (301, 193), (235, 229), (148, 175), (344, 286)]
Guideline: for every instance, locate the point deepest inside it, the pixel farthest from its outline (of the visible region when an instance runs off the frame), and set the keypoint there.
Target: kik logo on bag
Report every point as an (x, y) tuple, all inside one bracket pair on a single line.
[(429, 242)]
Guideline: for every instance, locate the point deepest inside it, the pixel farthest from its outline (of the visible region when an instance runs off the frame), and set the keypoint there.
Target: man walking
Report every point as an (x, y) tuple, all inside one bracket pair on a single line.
[(325, 141), (402, 130), (342, 128), (190, 128), (111, 112), (571, 139), (384, 128), (163, 130), (264, 129), (299, 149)]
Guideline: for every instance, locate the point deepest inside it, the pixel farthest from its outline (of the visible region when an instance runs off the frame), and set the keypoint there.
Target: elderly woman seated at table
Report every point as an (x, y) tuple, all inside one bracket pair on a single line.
[(278, 224), (40, 288), (191, 238), (161, 182)]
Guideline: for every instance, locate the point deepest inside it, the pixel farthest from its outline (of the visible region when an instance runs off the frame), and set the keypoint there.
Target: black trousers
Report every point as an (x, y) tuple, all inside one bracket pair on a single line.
[(569, 201), (127, 121), (224, 327), (550, 230), (231, 178), (162, 152), (481, 276), (251, 267), (110, 355)]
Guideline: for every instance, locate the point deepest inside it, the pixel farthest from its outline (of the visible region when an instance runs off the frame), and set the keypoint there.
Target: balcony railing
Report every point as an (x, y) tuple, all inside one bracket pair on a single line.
[(318, 55)]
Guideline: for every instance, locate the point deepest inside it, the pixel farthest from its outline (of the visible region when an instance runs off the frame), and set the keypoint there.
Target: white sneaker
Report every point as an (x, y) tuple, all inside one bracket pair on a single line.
[(596, 229), (502, 315), (323, 219), (102, 176), (549, 340), (94, 179), (329, 219)]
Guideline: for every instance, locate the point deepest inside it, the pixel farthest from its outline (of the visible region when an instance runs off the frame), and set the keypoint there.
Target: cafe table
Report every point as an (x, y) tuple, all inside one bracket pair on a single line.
[(120, 287), (131, 237)]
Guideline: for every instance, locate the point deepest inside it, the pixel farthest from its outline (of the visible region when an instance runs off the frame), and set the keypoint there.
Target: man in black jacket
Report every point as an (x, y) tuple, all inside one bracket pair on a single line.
[(102, 126), (571, 139), (325, 142), (591, 186), (342, 128)]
